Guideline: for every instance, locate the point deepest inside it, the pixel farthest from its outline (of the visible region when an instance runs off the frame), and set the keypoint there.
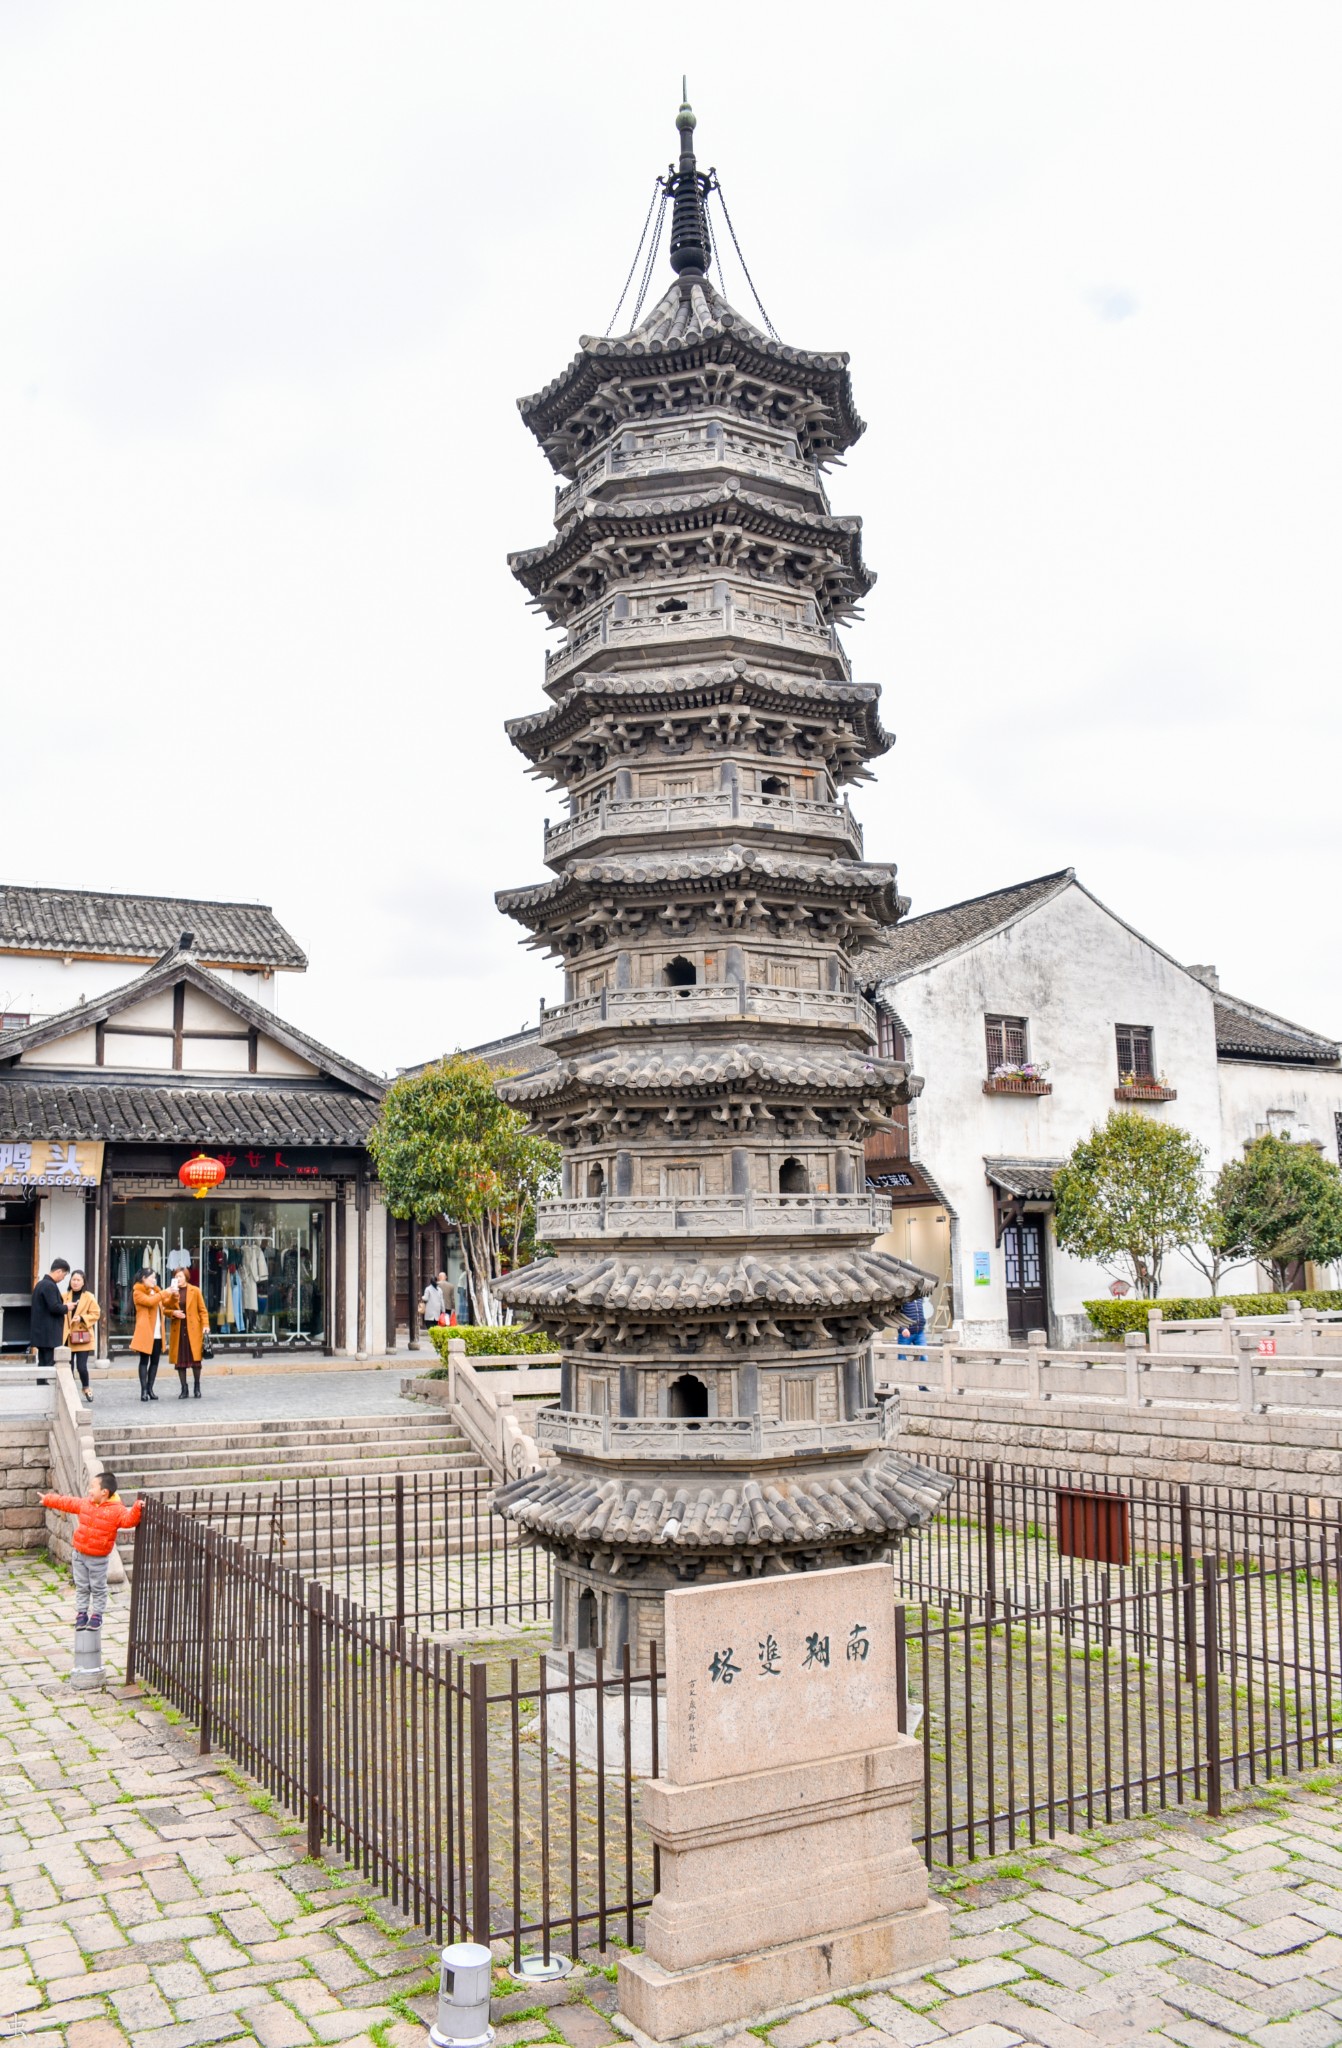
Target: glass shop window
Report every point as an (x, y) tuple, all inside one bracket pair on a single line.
[(261, 1265)]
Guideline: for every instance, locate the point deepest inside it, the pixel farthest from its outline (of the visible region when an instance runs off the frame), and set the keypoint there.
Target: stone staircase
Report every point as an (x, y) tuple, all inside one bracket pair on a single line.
[(223, 1464)]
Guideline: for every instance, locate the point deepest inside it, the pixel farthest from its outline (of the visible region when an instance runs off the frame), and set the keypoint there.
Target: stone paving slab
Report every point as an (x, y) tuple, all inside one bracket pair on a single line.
[(147, 1902)]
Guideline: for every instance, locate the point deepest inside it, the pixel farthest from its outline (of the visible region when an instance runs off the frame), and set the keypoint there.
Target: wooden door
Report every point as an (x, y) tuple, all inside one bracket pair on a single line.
[(1026, 1279)]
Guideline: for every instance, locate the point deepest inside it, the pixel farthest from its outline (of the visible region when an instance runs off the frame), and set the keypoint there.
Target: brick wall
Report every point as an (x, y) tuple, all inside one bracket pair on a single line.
[(24, 1461), (1277, 1453)]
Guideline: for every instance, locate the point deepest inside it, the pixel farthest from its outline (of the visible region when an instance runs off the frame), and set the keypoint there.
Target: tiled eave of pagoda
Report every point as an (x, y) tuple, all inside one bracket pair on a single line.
[(725, 529), (690, 1073), (693, 350), (732, 882), (610, 714), (655, 1287)]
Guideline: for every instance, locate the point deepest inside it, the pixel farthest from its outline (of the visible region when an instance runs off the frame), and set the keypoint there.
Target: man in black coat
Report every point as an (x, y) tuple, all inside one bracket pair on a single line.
[(46, 1329)]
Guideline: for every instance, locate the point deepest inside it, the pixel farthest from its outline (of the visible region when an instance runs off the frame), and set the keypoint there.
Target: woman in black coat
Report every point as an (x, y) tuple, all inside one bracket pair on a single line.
[(46, 1325)]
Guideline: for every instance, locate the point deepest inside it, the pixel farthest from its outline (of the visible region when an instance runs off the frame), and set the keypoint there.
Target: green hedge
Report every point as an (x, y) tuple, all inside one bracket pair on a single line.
[(1115, 1318), (505, 1342)]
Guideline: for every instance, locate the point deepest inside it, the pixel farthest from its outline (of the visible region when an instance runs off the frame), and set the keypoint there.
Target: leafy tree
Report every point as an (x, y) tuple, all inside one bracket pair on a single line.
[(1281, 1203), (1130, 1192), (1213, 1252), (445, 1145)]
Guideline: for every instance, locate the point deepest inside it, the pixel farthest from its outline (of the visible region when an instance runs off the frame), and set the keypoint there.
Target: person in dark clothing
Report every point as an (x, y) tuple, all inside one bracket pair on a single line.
[(46, 1328)]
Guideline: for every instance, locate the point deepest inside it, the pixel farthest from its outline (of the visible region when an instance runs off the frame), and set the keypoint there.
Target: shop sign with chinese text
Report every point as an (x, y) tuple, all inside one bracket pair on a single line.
[(777, 1671), (266, 1162), (51, 1163)]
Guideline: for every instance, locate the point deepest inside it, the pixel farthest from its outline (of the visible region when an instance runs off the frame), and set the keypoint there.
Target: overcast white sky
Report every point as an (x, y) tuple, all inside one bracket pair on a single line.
[(274, 275)]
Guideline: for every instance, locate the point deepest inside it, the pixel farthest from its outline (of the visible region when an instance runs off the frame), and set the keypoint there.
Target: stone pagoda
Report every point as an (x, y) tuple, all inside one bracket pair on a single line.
[(713, 1285)]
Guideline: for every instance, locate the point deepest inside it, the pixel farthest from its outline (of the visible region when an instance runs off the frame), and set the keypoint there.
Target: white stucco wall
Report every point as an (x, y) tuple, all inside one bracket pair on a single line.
[(1074, 972), (1303, 1103), (41, 984)]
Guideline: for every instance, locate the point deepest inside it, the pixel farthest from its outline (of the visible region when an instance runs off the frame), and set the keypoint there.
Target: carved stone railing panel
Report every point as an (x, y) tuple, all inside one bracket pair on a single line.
[(747, 1215), (710, 1002), (715, 622), (638, 816), (661, 1439)]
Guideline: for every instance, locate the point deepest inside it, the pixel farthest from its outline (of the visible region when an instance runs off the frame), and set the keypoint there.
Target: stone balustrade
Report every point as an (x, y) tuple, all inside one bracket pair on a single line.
[(711, 1002), (1243, 1380), (734, 807), (665, 1440), (697, 456), (734, 620), (746, 1215)]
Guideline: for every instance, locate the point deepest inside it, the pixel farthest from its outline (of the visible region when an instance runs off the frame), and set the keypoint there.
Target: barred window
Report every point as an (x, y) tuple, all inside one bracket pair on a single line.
[(1134, 1050), (1006, 1042)]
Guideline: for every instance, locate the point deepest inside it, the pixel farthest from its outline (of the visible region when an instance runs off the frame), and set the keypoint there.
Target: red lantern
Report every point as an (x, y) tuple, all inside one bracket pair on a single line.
[(201, 1174)]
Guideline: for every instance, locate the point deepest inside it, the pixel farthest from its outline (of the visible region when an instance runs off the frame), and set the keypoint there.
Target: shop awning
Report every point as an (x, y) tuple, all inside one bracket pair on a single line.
[(1029, 1180), (904, 1181)]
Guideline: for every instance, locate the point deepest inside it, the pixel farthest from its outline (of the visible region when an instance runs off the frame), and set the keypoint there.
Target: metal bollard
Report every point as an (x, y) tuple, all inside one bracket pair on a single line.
[(88, 1665), (463, 1997)]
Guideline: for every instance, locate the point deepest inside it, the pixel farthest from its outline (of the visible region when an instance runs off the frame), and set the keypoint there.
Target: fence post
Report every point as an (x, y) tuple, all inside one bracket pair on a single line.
[(901, 1670), (1228, 1329), (207, 1647), (316, 1757), (480, 1803), (137, 1584), (400, 1550), (1211, 1684), (1132, 1344), (1035, 1341), (1186, 1571), (1247, 1349), (990, 1535), (1154, 1318)]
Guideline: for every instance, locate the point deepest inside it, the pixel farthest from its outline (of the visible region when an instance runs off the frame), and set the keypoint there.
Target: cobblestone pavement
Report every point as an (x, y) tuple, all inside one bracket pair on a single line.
[(256, 1397), (152, 1897)]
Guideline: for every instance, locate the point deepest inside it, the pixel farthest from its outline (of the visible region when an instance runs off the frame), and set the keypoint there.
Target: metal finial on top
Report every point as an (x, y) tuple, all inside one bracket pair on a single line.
[(687, 186)]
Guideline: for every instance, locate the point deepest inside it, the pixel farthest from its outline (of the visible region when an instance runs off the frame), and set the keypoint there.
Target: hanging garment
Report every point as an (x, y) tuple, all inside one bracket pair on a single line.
[(254, 1268), (149, 1258), (230, 1299), (178, 1257), (122, 1267)]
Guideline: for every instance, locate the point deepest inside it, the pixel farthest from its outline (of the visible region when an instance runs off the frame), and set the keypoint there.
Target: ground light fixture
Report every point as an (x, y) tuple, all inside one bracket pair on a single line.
[(464, 1985), (541, 1969)]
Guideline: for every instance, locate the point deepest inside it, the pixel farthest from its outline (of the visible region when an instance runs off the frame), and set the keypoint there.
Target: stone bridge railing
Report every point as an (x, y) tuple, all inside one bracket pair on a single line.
[(1286, 1366)]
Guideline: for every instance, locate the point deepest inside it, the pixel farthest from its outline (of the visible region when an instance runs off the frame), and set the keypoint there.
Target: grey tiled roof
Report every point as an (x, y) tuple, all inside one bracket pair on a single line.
[(1245, 1032), (691, 324), (1031, 1179), (693, 869), (87, 921), (917, 941), (885, 1496), (662, 1286), (125, 1110), (684, 1069)]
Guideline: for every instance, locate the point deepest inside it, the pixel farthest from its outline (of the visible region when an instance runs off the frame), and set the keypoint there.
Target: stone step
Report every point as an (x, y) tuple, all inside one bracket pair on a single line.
[(157, 1449), (167, 1476), (396, 1428)]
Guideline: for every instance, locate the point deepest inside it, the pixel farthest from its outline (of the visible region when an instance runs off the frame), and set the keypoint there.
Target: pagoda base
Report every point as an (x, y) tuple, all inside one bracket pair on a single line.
[(600, 1715)]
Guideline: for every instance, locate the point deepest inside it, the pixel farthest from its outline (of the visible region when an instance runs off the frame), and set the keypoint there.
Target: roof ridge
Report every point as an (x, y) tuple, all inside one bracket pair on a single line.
[(1011, 889)]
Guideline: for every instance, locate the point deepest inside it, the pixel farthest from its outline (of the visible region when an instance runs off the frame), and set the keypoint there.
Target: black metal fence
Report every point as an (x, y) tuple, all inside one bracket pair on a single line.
[(425, 1549), (457, 1788), (1068, 1653)]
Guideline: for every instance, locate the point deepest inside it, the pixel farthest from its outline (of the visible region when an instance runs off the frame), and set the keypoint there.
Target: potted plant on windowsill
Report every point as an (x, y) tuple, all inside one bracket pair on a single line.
[(1025, 1077), (1144, 1088)]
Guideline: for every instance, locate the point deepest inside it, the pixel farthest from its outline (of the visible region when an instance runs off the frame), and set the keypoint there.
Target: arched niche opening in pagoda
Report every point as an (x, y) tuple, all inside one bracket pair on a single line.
[(794, 1178), (596, 1178), (587, 1631), (680, 972), (773, 785), (687, 1398)]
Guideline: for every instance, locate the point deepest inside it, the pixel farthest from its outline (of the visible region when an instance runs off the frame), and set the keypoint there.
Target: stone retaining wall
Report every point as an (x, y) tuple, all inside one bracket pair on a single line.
[(24, 1465), (1277, 1453)]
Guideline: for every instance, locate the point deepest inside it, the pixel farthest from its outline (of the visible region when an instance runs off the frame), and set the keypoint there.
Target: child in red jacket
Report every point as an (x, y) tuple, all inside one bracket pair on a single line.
[(99, 1519)]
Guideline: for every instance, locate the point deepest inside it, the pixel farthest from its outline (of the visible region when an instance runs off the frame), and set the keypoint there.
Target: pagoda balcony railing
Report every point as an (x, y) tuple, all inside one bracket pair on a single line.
[(704, 808), (748, 1215), (730, 451), (662, 1439), (603, 633), (710, 1003)]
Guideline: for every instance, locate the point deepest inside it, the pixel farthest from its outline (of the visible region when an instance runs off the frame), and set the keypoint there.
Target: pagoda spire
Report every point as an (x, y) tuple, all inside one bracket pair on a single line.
[(688, 188)]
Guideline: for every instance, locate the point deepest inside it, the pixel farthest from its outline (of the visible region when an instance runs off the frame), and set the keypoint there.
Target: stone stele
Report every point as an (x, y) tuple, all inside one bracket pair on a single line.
[(783, 1820)]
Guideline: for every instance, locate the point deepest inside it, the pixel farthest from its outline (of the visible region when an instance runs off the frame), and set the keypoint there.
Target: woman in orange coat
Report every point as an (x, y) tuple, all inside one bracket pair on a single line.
[(187, 1327), (152, 1304)]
